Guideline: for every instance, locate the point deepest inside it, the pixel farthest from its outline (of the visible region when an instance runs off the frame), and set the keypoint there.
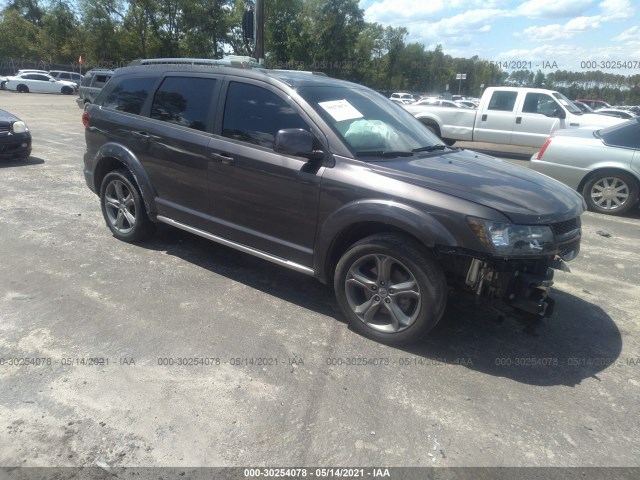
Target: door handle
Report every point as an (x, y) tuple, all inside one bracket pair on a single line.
[(484, 117), (518, 120), (141, 135), (223, 158)]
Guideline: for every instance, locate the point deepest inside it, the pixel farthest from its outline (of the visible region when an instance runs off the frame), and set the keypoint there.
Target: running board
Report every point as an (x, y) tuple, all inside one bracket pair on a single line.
[(238, 246)]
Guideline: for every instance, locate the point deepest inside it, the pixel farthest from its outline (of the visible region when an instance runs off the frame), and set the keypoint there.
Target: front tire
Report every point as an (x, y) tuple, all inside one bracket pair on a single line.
[(390, 289), (67, 90), (611, 192), (123, 208)]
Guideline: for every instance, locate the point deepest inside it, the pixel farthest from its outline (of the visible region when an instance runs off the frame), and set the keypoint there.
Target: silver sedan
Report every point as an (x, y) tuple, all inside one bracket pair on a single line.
[(603, 165)]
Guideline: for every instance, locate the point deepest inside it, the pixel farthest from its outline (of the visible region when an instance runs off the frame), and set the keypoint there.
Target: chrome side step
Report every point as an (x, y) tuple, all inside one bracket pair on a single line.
[(238, 246)]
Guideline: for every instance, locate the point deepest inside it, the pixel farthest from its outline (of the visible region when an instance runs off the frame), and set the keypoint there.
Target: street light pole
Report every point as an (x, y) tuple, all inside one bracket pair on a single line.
[(460, 77), (260, 30)]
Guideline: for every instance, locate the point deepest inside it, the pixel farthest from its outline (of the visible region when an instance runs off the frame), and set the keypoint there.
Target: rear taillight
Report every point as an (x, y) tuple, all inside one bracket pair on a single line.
[(86, 119), (544, 147)]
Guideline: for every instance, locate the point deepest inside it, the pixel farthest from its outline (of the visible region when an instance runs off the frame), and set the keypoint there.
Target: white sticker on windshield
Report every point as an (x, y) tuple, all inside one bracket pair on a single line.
[(341, 110)]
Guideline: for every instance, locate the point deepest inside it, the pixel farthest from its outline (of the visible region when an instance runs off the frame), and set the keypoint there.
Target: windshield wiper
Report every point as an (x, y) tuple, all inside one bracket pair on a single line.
[(432, 148), (384, 154)]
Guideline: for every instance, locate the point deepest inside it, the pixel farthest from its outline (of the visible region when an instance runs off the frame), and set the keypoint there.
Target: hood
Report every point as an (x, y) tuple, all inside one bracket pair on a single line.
[(6, 117), (596, 120), (525, 196)]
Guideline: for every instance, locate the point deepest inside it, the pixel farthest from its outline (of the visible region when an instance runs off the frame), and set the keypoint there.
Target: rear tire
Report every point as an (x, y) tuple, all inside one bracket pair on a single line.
[(611, 192), (390, 289), (432, 128), (123, 207), (22, 89)]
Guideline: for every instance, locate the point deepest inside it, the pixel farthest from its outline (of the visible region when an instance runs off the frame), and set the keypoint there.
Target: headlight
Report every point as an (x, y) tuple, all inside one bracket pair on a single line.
[(507, 239), (19, 127)]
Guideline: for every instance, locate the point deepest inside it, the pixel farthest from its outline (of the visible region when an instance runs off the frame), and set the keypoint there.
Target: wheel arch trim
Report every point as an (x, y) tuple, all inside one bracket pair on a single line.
[(399, 217), (112, 151), (611, 167)]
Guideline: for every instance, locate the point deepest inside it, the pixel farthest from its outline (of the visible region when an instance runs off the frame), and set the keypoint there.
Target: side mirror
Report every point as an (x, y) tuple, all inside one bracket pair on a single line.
[(297, 142), (558, 113)]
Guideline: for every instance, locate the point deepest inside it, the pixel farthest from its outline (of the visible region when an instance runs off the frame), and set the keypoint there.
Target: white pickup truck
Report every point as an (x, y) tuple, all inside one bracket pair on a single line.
[(509, 115)]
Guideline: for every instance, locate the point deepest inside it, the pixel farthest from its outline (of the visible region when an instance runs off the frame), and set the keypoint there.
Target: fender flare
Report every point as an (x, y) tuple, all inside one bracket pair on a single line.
[(421, 225), (126, 157)]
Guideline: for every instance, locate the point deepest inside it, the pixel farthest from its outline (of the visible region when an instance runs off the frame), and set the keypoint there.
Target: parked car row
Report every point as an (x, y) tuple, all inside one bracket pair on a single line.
[(27, 81)]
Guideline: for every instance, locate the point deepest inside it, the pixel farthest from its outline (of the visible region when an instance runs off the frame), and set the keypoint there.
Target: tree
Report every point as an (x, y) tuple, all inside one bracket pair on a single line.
[(19, 37)]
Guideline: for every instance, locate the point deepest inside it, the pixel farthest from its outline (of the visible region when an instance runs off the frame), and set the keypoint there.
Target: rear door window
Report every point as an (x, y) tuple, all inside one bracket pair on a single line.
[(129, 94), (503, 101), (184, 101)]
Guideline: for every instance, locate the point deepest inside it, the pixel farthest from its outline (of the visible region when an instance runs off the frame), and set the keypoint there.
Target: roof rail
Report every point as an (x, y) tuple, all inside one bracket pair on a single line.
[(306, 72), (231, 60)]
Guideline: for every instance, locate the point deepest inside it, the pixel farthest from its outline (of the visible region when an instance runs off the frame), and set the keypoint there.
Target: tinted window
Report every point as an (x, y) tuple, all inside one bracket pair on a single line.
[(539, 103), (503, 101), (129, 94), (184, 101), (100, 80), (64, 76), (253, 114), (623, 135)]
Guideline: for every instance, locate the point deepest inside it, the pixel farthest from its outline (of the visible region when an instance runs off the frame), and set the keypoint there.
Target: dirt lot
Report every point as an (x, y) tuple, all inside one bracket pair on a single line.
[(273, 381)]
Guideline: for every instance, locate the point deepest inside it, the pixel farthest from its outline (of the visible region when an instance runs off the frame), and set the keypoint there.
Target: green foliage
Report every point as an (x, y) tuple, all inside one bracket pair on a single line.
[(326, 35)]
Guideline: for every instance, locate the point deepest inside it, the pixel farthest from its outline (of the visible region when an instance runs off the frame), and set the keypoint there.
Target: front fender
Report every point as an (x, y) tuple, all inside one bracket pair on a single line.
[(423, 226), (112, 151)]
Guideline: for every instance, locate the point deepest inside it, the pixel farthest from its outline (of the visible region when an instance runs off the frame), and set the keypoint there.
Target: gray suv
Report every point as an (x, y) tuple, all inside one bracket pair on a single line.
[(330, 179), (91, 85)]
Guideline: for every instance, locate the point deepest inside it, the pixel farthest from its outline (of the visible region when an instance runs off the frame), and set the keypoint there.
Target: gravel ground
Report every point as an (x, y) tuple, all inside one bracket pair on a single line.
[(268, 387)]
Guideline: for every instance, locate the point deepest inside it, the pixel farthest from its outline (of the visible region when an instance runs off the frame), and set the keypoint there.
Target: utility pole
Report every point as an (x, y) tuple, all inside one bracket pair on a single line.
[(260, 31)]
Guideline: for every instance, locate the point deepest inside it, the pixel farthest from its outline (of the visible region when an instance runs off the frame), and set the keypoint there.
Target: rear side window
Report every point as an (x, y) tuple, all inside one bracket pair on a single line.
[(503, 101), (254, 115), (623, 135), (184, 101), (100, 80), (129, 94)]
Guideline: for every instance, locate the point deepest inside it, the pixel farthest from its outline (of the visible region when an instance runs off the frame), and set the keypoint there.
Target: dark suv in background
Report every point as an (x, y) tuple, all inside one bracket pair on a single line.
[(330, 179)]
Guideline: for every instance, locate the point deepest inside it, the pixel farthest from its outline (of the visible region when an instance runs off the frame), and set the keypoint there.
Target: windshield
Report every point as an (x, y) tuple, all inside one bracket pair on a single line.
[(568, 104), (368, 123)]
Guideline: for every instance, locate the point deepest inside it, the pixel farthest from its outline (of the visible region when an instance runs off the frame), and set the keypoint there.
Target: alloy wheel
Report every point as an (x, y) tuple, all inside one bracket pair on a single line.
[(383, 293)]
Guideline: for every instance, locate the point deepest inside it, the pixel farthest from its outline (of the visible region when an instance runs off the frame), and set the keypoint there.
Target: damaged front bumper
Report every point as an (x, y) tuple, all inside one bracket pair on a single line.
[(516, 287)]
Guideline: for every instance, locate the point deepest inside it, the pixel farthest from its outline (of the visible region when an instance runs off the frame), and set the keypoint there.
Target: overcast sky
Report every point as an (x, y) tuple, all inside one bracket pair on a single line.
[(536, 32)]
